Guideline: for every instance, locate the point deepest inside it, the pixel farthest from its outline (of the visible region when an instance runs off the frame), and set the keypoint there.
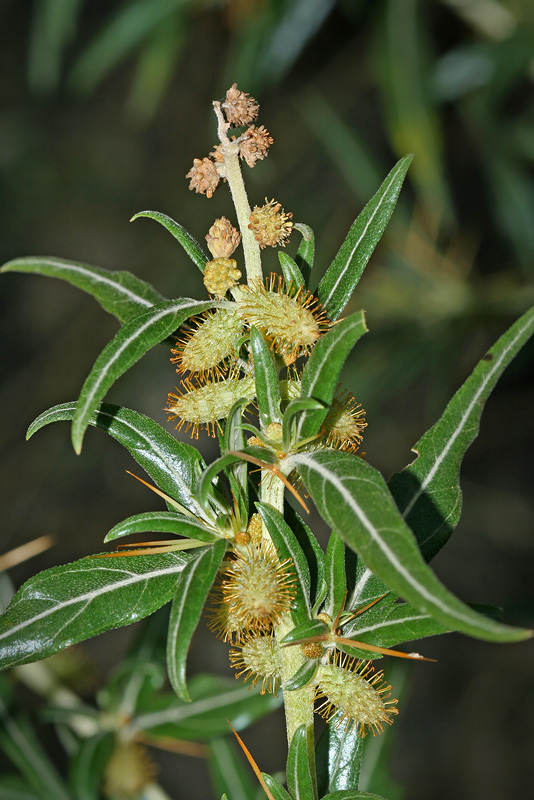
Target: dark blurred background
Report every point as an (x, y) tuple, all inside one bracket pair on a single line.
[(104, 104)]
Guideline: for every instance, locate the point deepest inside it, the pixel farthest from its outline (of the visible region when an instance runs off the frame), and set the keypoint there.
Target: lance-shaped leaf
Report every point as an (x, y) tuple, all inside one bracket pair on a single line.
[(338, 754), (88, 765), (215, 700), (336, 579), (322, 370), (194, 583), (67, 604), (302, 676), (287, 546), (352, 794), (174, 466), (353, 498), (342, 276), (266, 377), (229, 773), (188, 242), (129, 344), (161, 522), (275, 788), (119, 292), (428, 491), (301, 779), (291, 272), (306, 252)]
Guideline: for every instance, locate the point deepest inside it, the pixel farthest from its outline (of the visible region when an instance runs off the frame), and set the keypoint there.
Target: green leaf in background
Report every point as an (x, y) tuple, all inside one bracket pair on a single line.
[(67, 604), (228, 772), (338, 754), (321, 373), (428, 491), (291, 272), (20, 743), (188, 242), (301, 779), (174, 466), (119, 292), (288, 547), (215, 700), (306, 252), (353, 498), (266, 377), (336, 578), (161, 522), (192, 587), (13, 787), (342, 276), (129, 344), (88, 764)]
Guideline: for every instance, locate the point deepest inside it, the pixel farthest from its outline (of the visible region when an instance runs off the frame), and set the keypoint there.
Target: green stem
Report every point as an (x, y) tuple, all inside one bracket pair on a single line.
[(298, 704), (230, 169)]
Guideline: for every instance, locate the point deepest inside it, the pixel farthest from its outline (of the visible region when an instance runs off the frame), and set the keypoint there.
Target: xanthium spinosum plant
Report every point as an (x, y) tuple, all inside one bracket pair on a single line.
[(258, 361)]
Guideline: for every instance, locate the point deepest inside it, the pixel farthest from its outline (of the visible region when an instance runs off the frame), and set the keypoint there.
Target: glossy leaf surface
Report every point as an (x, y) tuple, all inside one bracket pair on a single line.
[(192, 587), (321, 373), (161, 522), (353, 498), (335, 575), (267, 388), (342, 276), (67, 604), (306, 252), (129, 344), (174, 466), (276, 789), (301, 780), (188, 242), (291, 272), (338, 754), (119, 292)]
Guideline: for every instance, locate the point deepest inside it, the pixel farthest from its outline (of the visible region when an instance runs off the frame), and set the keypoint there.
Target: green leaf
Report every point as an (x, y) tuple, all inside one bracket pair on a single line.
[(129, 344), (294, 411), (351, 794), (301, 780), (302, 676), (353, 498), (237, 473), (291, 272), (336, 579), (338, 753), (306, 251), (119, 292), (174, 466), (321, 373), (161, 522), (23, 748), (227, 460), (428, 491), (188, 242), (311, 549), (287, 546), (228, 772), (13, 787), (215, 700), (266, 377), (305, 630), (342, 276), (67, 604), (88, 764), (192, 587), (275, 788)]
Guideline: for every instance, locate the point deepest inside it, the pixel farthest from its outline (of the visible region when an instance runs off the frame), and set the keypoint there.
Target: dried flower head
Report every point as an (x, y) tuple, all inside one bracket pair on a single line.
[(258, 657), (270, 224), (222, 238), (220, 275), (291, 319), (258, 588), (203, 404), (239, 107), (207, 348), (360, 695), (254, 144), (204, 176), (344, 424)]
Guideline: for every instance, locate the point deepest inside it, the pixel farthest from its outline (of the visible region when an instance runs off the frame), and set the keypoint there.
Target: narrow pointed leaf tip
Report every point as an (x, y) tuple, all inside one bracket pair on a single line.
[(188, 242)]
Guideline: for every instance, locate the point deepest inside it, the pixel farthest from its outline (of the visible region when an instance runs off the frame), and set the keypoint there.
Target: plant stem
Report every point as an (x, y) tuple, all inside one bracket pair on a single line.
[(230, 169), (298, 704)]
